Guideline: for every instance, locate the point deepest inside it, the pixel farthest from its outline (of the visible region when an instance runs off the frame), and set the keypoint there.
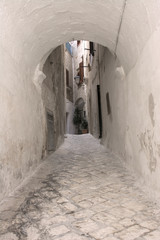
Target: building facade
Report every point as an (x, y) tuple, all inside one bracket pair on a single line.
[(76, 73), (69, 88), (80, 69)]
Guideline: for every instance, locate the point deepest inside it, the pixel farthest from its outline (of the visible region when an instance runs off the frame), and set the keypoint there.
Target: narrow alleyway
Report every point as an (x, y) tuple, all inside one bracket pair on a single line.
[(81, 192)]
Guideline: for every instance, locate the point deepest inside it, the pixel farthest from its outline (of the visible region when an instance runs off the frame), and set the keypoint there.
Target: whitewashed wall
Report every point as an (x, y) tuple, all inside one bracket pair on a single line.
[(132, 129)]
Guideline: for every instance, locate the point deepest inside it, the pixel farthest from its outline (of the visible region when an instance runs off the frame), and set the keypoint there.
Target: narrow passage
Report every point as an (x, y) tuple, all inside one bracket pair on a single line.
[(80, 192)]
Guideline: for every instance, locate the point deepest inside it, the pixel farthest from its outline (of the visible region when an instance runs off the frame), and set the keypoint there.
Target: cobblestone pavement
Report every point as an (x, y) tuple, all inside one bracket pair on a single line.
[(80, 192)]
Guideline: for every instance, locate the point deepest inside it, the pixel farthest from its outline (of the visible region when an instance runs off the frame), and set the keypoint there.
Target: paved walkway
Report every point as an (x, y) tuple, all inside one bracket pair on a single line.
[(81, 192)]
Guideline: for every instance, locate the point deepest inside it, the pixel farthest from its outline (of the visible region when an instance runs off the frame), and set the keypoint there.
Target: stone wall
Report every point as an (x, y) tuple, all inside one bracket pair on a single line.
[(53, 93), (70, 128), (131, 129), (23, 127), (92, 98)]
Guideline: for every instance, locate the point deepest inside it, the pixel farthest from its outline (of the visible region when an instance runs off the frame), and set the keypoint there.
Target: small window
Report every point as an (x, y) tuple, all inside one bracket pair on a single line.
[(67, 78), (108, 104)]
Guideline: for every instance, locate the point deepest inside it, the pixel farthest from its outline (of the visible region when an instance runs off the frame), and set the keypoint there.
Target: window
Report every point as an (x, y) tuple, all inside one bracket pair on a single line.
[(108, 104), (67, 78)]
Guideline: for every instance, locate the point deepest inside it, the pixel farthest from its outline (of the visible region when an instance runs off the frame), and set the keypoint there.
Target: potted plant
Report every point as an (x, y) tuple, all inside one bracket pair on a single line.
[(84, 126), (77, 119)]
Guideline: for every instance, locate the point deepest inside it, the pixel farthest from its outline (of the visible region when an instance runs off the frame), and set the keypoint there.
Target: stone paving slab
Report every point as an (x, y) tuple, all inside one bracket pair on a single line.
[(81, 192)]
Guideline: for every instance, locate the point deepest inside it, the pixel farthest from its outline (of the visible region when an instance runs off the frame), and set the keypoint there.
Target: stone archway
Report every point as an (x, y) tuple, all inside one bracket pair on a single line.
[(30, 29), (80, 103)]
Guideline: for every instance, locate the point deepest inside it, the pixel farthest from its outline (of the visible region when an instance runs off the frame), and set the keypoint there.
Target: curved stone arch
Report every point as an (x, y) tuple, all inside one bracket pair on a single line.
[(123, 26), (80, 103), (39, 76)]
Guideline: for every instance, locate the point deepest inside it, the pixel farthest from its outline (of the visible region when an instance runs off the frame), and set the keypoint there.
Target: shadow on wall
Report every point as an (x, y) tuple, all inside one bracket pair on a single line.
[(53, 98)]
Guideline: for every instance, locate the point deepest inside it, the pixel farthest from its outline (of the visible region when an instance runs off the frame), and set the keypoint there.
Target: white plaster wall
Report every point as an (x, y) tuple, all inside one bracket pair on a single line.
[(92, 98), (143, 102), (22, 126), (140, 20), (131, 130), (42, 25)]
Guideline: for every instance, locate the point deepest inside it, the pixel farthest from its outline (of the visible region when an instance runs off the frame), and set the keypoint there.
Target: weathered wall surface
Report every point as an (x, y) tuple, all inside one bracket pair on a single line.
[(92, 97), (131, 130), (124, 26), (70, 128), (53, 92), (23, 126)]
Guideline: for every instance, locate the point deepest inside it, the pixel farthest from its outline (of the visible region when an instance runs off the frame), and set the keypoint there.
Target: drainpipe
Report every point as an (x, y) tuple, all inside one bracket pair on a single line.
[(99, 100)]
